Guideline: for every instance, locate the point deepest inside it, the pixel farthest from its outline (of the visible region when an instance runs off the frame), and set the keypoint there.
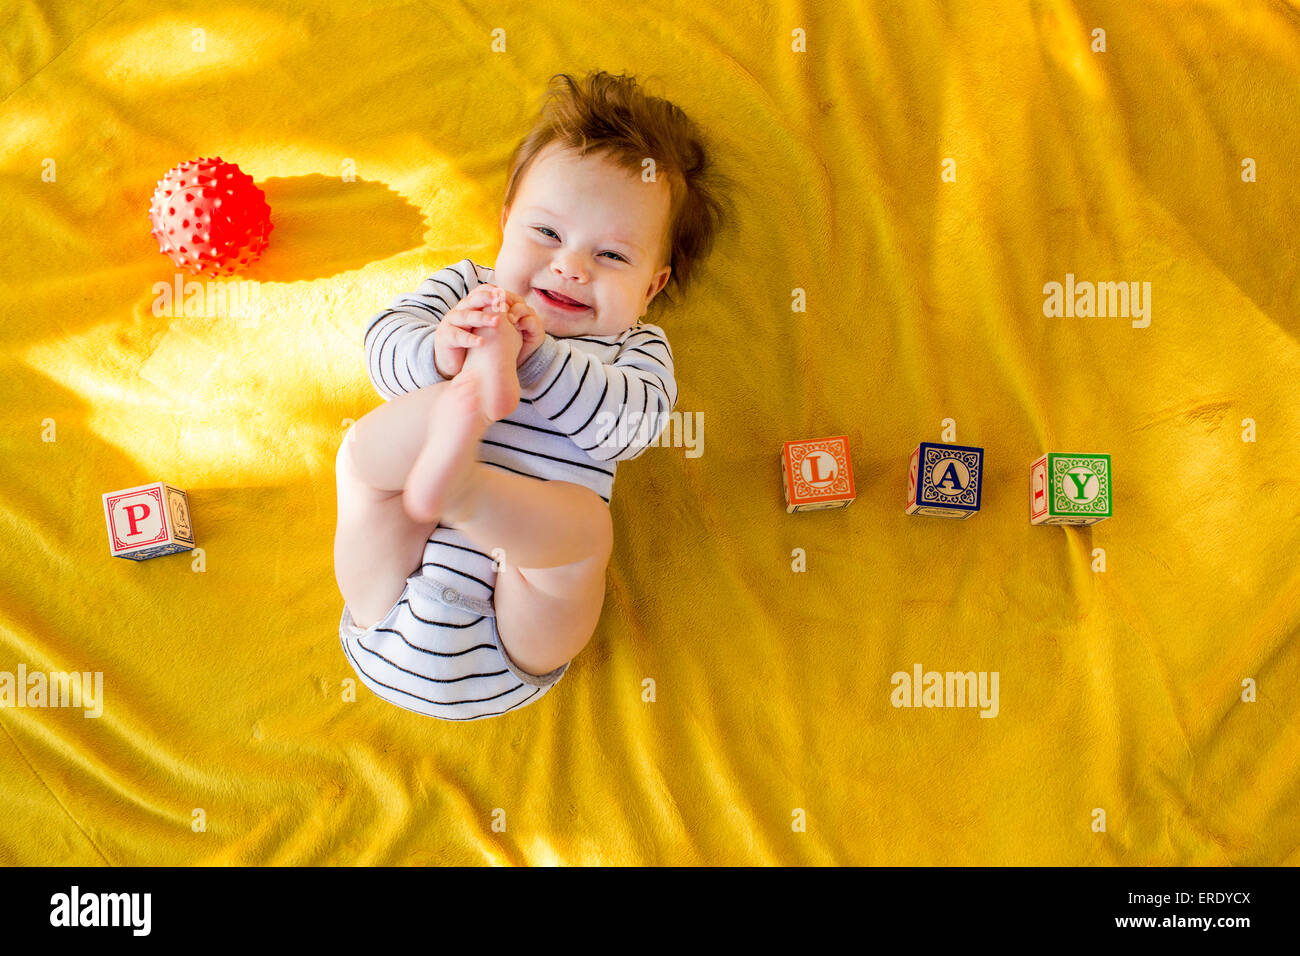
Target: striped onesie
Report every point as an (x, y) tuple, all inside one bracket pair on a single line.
[(586, 403)]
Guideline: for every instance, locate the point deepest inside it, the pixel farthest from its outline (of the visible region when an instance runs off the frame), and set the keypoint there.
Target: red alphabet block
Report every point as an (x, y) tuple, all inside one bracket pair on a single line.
[(817, 473), (148, 521)]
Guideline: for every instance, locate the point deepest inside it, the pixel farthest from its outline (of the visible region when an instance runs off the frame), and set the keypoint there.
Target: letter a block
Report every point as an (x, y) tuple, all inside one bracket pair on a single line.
[(945, 481), (817, 473), (148, 521), (1069, 489)]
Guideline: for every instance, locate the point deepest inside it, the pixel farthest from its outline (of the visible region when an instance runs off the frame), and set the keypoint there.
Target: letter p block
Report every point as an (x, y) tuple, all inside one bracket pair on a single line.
[(148, 521)]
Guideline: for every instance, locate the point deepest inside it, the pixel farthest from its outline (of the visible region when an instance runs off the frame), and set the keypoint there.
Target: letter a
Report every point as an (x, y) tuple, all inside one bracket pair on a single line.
[(950, 474)]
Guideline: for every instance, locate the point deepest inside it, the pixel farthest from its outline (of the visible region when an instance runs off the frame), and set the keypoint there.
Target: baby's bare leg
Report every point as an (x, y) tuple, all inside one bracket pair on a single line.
[(377, 544), (555, 539), (435, 478)]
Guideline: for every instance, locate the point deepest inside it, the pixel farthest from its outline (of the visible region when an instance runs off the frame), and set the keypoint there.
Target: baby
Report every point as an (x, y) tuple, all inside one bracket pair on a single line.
[(474, 526)]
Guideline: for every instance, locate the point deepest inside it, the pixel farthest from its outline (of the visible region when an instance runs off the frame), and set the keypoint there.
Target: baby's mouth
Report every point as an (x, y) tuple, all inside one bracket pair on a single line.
[(561, 302)]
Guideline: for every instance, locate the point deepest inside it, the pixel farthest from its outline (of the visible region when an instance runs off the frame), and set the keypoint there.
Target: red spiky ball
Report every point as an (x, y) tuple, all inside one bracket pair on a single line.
[(209, 217)]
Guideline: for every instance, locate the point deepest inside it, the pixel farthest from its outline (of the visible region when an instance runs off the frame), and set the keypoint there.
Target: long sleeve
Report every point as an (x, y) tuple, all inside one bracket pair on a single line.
[(399, 340), (613, 410)]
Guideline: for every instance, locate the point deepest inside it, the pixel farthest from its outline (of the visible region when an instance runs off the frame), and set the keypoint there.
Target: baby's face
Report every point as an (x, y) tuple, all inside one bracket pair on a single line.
[(588, 230)]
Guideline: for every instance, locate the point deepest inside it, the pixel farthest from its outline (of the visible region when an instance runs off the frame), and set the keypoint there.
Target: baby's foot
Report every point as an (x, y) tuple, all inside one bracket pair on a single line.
[(440, 481), (495, 361)]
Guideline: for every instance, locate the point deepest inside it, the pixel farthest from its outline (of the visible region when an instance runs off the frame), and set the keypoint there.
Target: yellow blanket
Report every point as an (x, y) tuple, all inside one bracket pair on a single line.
[(914, 175)]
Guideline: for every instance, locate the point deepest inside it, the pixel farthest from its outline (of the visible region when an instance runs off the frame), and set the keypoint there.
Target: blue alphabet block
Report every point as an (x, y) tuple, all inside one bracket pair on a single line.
[(945, 481)]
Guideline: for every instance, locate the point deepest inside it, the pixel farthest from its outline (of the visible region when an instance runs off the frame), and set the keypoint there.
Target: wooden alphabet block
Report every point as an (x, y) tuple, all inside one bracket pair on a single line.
[(817, 473), (945, 481), (1070, 489), (148, 521)]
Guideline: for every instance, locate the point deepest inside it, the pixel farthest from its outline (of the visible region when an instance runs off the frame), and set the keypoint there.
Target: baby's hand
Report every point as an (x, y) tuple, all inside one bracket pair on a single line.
[(454, 334), (532, 330)]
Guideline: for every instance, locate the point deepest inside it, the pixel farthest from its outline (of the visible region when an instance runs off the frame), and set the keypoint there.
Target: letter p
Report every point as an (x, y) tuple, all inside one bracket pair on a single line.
[(132, 517)]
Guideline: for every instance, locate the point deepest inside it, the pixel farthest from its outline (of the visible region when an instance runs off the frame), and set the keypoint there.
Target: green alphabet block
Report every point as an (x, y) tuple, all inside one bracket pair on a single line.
[(1070, 489)]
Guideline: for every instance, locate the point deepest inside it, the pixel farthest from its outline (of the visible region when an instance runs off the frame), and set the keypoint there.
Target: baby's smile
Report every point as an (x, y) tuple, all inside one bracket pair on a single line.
[(562, 302)]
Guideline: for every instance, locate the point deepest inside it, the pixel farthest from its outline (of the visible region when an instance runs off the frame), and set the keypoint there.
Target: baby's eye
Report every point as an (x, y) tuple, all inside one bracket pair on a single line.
[(550, 234)]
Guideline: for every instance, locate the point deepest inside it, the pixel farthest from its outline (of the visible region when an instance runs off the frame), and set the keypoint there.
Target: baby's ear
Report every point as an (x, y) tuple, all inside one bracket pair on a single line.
[(657, 282)]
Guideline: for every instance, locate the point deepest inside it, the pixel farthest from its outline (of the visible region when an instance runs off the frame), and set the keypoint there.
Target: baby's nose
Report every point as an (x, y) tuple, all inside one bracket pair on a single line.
[(568, 268)]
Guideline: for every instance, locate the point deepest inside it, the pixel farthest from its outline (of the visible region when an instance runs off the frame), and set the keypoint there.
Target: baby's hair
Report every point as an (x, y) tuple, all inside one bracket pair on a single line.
[(612, 117)]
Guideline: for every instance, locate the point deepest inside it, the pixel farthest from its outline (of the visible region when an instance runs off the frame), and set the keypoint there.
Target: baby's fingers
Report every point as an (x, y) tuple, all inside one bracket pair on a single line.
[(486, 297), (450, 333), (462, 338), (531, 328), (472, 317)]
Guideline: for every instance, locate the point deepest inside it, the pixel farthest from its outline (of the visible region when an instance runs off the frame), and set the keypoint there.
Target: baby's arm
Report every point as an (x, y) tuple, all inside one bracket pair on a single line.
[(612, 411), (399, 340)]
